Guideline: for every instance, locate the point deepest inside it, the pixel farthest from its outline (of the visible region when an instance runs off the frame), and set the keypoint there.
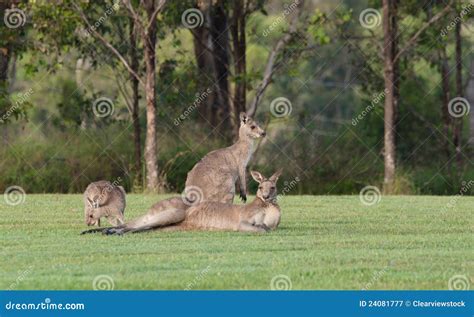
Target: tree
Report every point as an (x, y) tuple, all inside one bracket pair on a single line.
[(458, 122), (223, 56), (391, 73), (391, 57), (144, 16), (134, 64), (211, 50), (12, 44)]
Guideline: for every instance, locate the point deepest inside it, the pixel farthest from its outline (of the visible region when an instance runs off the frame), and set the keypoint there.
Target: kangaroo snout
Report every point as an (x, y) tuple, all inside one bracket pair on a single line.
[(264, 134)]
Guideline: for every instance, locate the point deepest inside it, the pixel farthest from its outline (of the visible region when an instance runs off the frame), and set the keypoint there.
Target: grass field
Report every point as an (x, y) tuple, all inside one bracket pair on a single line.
[(323, 242)]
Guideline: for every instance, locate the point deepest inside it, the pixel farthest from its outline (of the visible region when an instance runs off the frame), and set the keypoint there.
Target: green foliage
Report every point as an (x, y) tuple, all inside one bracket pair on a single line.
[(73, 106), (331, 72)]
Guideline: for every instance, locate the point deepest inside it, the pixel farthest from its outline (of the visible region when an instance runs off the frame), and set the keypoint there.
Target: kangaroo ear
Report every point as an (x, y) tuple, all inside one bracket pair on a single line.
[(257, 176), (90, 202), (275, 176), (243, 117)]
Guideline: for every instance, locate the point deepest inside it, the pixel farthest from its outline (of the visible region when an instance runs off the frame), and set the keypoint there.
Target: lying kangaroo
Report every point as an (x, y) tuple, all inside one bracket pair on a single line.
[(213, 178), (104, 199), (261, 215)]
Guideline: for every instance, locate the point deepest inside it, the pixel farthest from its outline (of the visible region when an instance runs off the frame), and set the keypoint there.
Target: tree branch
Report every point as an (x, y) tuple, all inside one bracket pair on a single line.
[(135, 17), (270, 67), (417, 34), (107, 43), (158, 9)]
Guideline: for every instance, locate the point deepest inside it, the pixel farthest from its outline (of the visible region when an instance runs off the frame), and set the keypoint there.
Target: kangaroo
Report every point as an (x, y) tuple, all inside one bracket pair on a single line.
[(261, 215), (104, 199), (213, 178), (215, 175)]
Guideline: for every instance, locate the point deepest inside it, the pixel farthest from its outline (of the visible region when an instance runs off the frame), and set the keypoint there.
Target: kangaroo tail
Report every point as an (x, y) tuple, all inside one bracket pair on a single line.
[(102, 230)]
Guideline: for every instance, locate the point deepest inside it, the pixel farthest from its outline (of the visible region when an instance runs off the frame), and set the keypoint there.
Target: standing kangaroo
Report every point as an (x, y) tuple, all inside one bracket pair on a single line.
[(104, 199), (213, 178), (261, 215), (215, 175)]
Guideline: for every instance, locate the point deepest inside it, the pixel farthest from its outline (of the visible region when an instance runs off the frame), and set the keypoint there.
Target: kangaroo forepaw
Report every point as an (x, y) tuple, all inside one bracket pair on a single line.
[(243, 197), (264, 227)]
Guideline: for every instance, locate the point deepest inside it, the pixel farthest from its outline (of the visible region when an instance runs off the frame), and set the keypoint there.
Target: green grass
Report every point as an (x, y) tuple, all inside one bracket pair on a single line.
[(323, 242)]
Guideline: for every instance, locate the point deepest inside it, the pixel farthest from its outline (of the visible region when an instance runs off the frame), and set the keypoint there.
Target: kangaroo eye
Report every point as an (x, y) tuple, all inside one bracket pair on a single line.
[(91, 216), (260, 187), (273, 187), (253, 127)]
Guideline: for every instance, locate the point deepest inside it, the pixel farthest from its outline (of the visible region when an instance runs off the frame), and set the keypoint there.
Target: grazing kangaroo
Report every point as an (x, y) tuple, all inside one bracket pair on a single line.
[(213, 178), (261, 215), (104, 199)]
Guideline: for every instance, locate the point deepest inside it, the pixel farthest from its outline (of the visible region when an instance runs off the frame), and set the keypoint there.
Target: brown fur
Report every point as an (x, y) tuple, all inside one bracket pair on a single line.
[(213, 178), (216, 173), (261, 215), (103, 199)]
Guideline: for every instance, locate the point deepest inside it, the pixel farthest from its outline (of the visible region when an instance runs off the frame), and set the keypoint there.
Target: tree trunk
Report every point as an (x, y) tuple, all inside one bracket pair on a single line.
[(446, 93), (4, 62), (457, 129), (134, 64), (240, 63), (211, 48), (470, 98), (202, 52), (220, 36), (391, 86), (5, 56), (151, 161)]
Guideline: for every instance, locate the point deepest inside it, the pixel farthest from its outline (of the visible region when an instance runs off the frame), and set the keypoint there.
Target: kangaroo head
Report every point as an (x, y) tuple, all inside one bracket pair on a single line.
[(92, 213), (249, 128), (267, 190)]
